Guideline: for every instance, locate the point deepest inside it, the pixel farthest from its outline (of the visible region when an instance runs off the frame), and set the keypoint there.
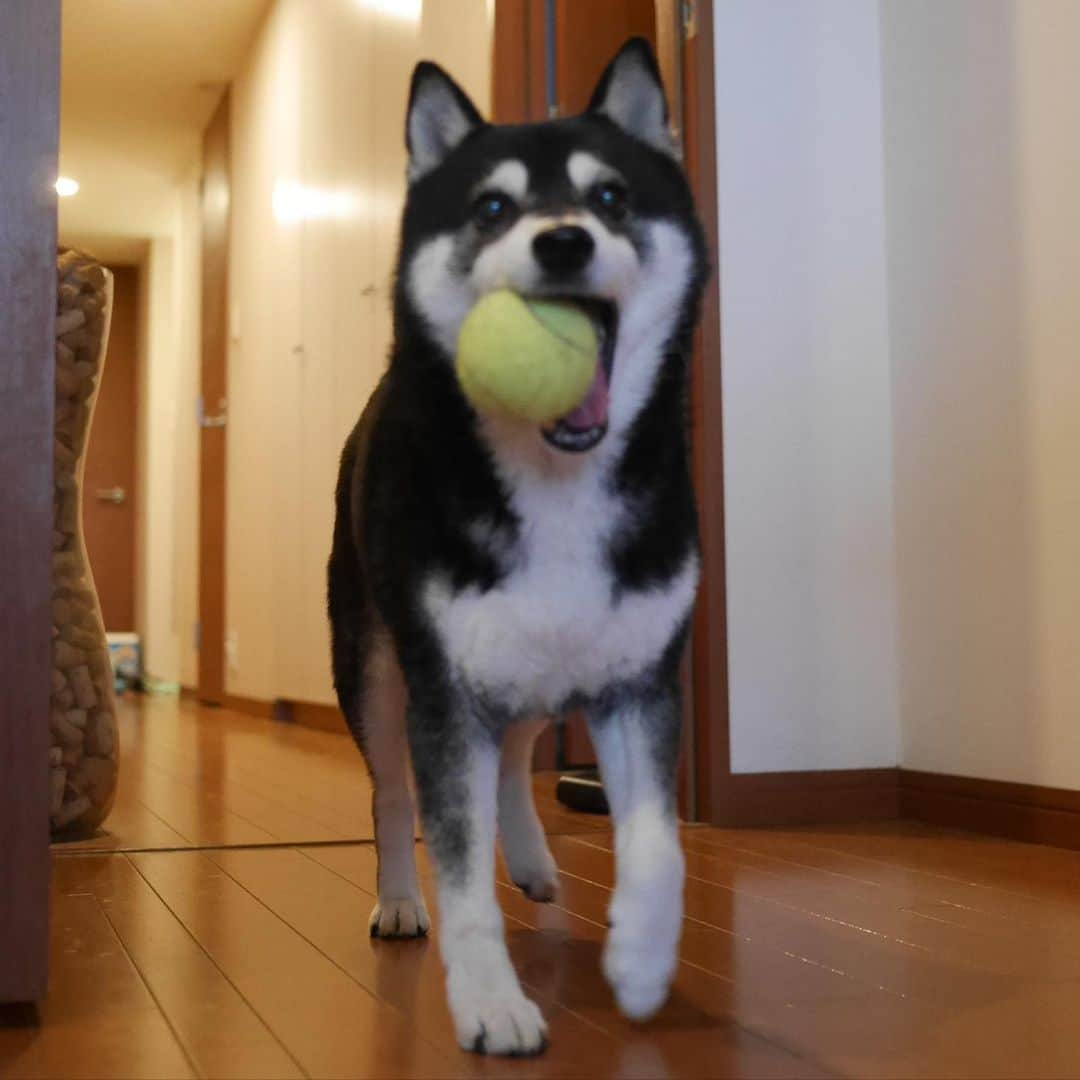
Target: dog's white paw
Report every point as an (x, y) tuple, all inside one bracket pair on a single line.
[(639, 972), (406, 917), (490, 1021), (535, 874), (642, 947)]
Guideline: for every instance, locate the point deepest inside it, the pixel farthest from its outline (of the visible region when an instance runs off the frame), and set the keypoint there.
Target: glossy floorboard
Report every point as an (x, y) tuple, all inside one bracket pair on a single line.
[(875, 951), (193, 777)]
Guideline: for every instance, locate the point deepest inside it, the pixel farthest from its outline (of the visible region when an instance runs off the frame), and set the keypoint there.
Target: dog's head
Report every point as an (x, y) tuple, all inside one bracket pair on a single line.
[(595, 209)]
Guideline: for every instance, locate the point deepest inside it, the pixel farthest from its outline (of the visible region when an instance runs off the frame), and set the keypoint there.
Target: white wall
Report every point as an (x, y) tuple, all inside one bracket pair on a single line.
[(155, 541), (807, 439), (318, 118), (188, 343), (158, 223), (902, 384), (166, 541), (983, 166), (263, 305)]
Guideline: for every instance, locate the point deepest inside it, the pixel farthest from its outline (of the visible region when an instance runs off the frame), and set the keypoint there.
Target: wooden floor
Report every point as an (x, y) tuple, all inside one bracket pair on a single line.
[(894, 950), (192, 777)]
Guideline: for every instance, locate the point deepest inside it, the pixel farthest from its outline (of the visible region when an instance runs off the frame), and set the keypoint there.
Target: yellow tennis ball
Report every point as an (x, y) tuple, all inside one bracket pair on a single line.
[(526, 358)]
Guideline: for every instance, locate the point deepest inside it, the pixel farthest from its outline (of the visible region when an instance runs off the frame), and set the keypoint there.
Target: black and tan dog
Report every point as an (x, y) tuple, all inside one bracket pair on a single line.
[(488, 574)]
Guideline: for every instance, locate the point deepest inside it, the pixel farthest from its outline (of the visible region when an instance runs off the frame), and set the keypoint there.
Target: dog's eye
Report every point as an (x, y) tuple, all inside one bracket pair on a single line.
[(492, 208), (610, 199)]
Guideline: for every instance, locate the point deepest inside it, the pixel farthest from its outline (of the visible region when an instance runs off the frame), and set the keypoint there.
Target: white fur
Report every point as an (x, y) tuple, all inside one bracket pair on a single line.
[(647, 904), (585, 169), (524, 845), (635, 102), (647, 314), (399, 910), (510, 177), (436, 125), (509, 262), (442, 297), (552, 627), (484, 994), (494, 538)]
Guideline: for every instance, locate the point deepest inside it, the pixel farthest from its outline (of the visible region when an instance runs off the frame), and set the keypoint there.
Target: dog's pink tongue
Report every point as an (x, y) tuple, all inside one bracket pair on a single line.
[(592, 412)]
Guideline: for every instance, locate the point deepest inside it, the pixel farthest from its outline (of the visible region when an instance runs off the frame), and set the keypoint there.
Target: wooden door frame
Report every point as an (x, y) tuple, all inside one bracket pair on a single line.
[(709, 642), (29, 121), (519, 44), (213, 440)]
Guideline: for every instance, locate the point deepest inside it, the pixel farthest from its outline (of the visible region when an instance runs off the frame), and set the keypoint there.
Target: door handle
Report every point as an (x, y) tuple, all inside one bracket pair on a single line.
[(217, 421), (114, 495)]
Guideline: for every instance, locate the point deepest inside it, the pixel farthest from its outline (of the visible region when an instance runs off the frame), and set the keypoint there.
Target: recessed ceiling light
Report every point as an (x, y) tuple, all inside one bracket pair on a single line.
[(65, 186)]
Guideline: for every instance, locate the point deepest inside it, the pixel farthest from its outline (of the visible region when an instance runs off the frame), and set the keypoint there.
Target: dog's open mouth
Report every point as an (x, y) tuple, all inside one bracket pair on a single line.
[(582, 428)]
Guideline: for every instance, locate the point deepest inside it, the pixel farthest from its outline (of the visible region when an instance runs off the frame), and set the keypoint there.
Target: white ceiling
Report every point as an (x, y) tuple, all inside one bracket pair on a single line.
[(140, 79)]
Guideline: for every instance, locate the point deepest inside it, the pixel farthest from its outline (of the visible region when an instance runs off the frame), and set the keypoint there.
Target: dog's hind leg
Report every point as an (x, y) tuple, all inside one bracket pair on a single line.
[(372, 696), (399, 910), (456, 763), (524, 845), (637, 743)]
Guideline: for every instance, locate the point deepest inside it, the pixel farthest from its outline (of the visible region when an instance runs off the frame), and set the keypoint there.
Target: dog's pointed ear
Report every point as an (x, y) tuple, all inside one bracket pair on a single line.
[(631, 95), (439, 116)]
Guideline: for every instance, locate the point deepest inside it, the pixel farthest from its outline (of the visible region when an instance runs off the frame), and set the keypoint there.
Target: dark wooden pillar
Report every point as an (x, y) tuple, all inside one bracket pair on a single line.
[(29, 110)]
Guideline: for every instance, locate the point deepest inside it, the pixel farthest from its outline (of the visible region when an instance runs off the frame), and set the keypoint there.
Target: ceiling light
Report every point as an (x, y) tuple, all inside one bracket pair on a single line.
[(65, 186), (293, 203), (409, 10)]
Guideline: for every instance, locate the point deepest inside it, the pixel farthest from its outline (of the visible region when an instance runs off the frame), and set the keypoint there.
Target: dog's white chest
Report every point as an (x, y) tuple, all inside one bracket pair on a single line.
[(555, 625)]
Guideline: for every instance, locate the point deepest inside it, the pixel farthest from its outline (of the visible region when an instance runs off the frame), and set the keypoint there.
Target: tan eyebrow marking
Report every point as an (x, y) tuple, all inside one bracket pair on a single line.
[(509, 176), (585, 169)]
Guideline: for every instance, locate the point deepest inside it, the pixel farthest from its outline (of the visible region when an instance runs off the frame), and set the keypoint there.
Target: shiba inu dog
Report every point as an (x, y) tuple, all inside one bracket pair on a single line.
[(489, 574)]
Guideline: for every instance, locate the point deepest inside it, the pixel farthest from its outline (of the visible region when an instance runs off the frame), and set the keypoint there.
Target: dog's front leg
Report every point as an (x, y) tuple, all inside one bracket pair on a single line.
[(637, 742), (456, 765)]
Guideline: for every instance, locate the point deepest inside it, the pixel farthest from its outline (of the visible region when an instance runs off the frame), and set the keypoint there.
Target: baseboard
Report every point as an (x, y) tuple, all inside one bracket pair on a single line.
[(832, 797), (305, 713), (235, 702), (1028, 812), (310, 714), (248, 705)]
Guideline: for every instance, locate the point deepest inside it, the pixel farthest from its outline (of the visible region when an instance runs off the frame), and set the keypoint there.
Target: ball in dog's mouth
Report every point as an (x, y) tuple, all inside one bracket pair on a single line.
[(584, 427)]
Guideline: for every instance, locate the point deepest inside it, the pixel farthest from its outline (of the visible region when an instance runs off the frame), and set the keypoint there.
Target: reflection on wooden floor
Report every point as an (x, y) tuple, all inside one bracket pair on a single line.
[(194, 777), (876, 951)]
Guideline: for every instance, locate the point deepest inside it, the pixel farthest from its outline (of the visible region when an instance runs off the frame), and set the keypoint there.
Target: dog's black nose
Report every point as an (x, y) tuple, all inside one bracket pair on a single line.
[(563, 250)]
